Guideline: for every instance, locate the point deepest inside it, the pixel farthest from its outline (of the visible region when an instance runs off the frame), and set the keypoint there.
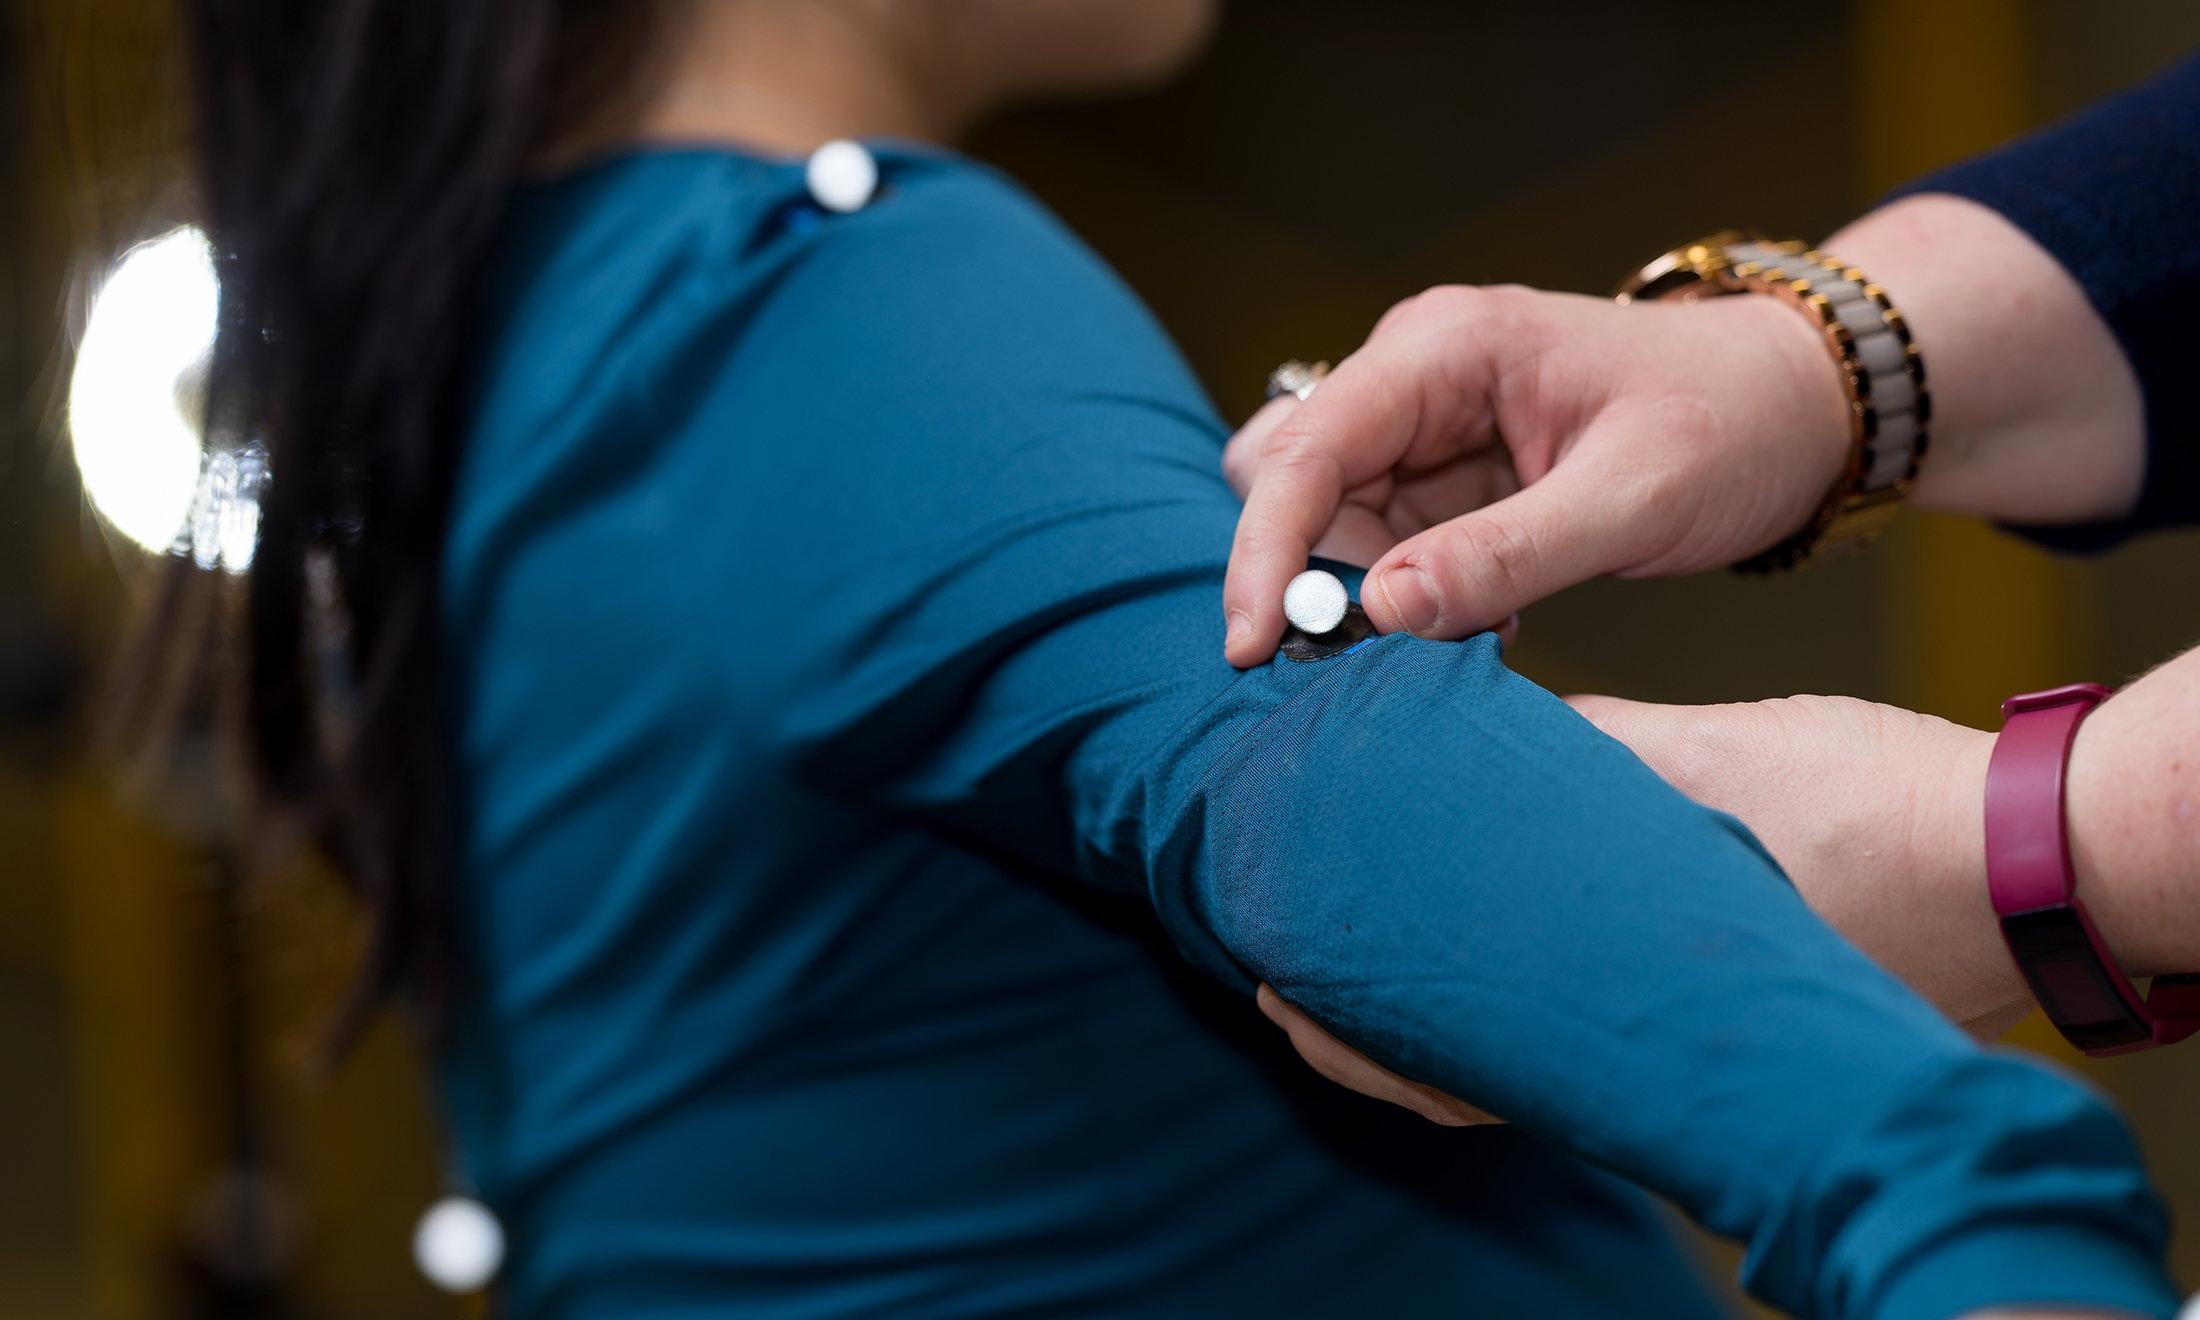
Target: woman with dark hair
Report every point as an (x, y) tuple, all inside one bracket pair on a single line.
[(744, 618)]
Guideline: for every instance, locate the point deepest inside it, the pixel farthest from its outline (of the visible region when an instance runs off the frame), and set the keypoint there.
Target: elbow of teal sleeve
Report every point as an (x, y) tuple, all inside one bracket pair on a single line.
[(1451, 870)]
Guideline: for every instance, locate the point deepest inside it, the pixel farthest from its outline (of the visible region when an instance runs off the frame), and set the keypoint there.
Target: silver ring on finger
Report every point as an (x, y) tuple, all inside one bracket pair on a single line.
[(1296, 378)]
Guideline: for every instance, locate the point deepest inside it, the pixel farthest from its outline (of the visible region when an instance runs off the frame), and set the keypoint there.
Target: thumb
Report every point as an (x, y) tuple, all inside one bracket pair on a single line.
[(1466, 575)]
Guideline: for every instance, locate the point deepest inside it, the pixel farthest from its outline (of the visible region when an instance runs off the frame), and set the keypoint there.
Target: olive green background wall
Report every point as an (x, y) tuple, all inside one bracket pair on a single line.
[(1323, 161)]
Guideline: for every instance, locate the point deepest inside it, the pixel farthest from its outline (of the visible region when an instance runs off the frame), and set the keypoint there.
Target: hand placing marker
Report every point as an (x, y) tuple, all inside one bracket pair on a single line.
[(1322, 619), (1325, 622), (1359, 535), (1488, 447)]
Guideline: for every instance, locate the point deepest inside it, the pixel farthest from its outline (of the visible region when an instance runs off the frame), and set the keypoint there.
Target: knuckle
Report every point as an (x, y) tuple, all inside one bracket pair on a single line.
[(1446, 296), (1449, 303), (1690, 760), (1410, 307), (1486, 324), (1438, 303), (1397, 312), (1498, 308), (1305, 457), (1706, 747)]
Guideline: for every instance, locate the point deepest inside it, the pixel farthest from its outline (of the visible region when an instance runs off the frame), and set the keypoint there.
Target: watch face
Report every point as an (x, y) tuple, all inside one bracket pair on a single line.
[(2085, 999), (1685, 271), (1673, 275)]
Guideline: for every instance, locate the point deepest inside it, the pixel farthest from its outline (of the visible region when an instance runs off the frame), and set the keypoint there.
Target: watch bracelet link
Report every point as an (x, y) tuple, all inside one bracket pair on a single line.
[(1882, 373)]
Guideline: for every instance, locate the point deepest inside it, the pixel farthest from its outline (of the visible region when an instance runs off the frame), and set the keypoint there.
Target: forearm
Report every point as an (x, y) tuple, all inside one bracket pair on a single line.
[(1441, 864), (2133, 803), (2132, 806), (2037, 415)]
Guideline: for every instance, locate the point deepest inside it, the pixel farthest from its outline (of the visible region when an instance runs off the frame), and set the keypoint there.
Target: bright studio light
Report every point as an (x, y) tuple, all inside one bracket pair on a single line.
[(133, 427)]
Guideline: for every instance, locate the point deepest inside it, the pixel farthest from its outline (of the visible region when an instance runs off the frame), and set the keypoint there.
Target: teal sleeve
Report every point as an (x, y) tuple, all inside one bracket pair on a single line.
[(970, 532)]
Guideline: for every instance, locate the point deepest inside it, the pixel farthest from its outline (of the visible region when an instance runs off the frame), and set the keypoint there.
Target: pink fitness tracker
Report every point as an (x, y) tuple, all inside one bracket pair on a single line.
[(2034, 887)]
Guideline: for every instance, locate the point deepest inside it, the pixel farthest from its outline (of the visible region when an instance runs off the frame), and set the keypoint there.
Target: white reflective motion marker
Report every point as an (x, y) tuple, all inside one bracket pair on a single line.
[(1315, 602), (459, 1245), (842, 176)]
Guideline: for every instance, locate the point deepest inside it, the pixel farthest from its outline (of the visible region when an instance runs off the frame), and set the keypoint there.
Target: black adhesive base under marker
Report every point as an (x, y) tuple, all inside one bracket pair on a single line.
[(1305, 647)]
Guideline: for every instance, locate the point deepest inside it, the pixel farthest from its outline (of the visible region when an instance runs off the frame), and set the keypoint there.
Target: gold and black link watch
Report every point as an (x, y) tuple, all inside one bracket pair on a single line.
[(1881, 372)]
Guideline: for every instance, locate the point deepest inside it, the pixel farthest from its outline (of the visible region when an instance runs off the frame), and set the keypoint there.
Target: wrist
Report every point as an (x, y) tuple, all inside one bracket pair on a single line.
[(1881, 375), (1806, 435), (2138, 921), (2036, 413), (1946, 852)]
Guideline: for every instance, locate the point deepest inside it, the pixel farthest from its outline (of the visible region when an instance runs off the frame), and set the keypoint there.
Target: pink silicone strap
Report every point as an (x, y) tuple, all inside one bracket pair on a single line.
[(2034, 888), (2027, 853)]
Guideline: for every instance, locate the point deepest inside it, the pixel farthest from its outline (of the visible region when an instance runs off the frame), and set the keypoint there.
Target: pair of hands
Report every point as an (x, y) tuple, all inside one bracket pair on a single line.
[(1489, 447)]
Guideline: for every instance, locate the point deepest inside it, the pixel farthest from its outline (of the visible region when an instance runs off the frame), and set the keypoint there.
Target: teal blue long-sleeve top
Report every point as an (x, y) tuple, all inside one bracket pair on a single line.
[(853, 783)]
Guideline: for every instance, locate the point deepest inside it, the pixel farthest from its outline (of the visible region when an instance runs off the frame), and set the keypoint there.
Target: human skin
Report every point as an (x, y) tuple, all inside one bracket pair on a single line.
[(1491, 446), (788, 75), (1499, 444), (1691, 442), (783, 76), (1876, 813)]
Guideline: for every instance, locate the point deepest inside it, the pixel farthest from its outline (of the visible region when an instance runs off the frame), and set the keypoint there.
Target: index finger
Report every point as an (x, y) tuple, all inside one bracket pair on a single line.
[(1358, 425)]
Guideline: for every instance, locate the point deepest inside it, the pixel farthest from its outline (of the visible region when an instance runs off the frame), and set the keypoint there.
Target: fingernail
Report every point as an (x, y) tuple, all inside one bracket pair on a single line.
[(1411, 597), (1241, 627)]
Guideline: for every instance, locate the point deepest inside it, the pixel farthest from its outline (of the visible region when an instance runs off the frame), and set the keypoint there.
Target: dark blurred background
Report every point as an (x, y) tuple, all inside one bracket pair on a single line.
[(161, 1151)]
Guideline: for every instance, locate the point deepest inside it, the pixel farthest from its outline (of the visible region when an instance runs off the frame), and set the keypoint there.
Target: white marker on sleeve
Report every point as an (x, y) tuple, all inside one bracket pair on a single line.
[(1315, 602)]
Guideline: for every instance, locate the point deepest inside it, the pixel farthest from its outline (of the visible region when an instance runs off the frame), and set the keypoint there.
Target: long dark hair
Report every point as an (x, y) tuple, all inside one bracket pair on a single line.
[(354, 159)]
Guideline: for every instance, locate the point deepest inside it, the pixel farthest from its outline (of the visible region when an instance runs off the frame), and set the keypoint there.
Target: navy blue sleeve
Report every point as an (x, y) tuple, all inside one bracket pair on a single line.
[(2114, 195), (987, 494)]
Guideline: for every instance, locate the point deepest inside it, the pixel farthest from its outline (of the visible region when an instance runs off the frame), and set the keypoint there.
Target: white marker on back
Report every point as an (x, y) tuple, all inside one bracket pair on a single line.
[(1315, 602)]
